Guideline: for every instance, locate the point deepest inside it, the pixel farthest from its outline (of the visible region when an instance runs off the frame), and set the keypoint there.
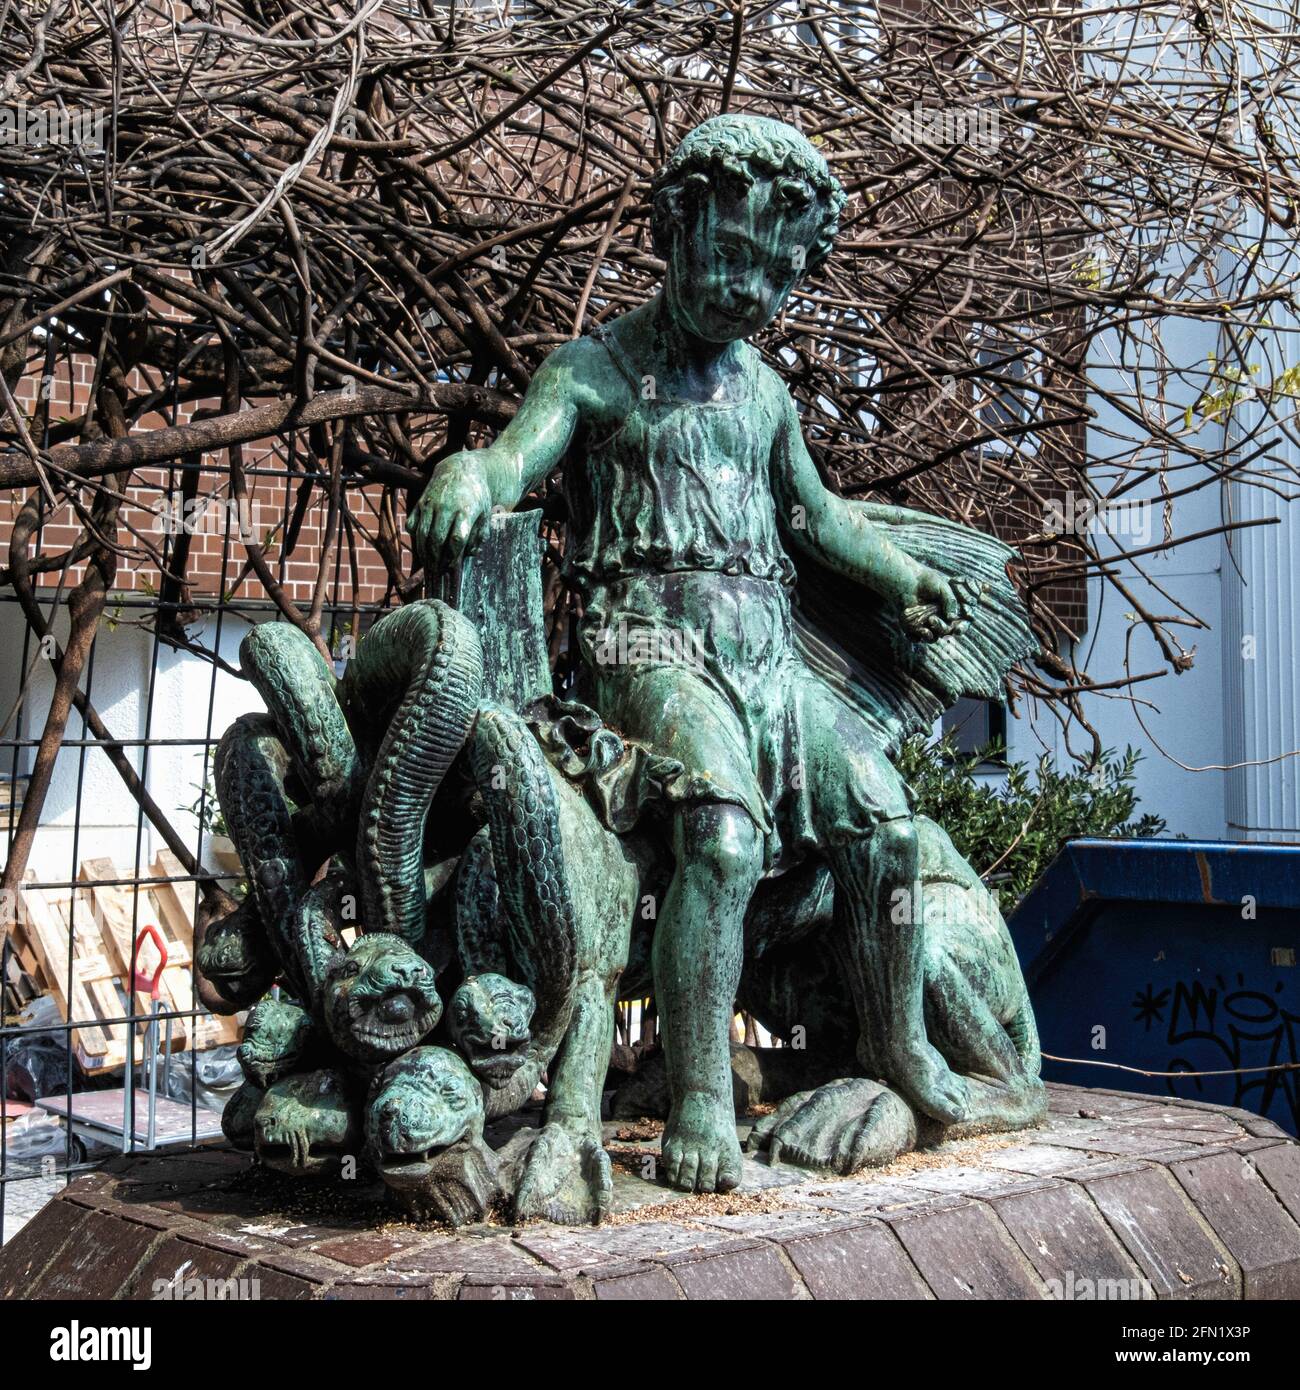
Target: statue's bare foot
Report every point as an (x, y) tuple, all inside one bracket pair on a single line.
[(918, 1070), (564, 1178), (838, 1128), (700, 1150)]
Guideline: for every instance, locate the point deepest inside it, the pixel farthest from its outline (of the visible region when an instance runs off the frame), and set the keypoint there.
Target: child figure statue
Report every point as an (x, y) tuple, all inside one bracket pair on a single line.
[(692, 496)]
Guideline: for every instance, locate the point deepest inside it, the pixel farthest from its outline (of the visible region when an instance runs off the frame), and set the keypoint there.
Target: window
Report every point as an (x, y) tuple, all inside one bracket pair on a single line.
[(975, 724), (1010, 376)]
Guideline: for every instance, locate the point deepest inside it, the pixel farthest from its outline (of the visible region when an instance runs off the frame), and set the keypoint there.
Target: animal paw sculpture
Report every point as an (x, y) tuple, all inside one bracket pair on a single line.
[(840, 1127), (564, 1176)]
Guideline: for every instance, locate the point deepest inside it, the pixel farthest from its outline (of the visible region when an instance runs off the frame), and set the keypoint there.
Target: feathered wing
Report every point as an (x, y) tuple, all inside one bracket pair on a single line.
[(855, 642)]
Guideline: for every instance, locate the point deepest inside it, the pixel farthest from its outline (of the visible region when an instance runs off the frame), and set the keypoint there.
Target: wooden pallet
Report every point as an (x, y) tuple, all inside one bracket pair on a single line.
[(99, 921), (116, 918), (174, 906), (82, 980)]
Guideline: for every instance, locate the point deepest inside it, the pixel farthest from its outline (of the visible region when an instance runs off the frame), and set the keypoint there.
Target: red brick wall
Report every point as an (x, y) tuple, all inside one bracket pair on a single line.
[(144, 519), (269, 508)]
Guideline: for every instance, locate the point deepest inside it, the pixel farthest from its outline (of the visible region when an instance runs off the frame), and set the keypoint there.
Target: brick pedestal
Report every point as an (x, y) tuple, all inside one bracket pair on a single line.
[(1116, 1196)]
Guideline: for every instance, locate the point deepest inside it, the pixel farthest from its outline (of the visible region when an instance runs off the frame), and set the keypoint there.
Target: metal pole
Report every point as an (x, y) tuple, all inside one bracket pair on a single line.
[(151, 1051)]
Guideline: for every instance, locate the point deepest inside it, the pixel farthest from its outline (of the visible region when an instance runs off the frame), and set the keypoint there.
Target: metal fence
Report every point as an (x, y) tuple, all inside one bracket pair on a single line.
[(44, 1017)]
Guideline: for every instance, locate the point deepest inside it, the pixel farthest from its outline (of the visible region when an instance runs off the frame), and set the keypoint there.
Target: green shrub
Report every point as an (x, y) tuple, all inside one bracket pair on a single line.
[(206, 808), (1012, 829)]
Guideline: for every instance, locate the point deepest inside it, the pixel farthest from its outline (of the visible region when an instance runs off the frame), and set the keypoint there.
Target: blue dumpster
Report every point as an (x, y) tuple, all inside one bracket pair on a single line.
[(1171, 956)]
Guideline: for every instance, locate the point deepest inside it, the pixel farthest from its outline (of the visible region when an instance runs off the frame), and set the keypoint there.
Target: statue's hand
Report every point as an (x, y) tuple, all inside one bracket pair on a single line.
[(452, 514), (931, 608)]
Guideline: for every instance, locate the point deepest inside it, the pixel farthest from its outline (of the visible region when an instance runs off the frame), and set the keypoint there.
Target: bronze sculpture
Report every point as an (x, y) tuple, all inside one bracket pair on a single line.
[(754, 647)]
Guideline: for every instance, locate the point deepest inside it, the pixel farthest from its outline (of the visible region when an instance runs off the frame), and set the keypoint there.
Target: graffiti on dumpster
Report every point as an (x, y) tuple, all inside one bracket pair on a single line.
[(1218, 1027)]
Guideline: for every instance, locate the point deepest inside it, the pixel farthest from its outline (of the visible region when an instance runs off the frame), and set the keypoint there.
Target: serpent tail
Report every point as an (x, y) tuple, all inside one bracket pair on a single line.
[(298, 687), (431, 655), (317, 927), (480, 931), (250, 767)]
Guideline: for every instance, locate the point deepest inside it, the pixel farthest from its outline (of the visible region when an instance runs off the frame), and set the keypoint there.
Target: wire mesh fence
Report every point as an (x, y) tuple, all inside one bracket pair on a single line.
[(97, 1017)]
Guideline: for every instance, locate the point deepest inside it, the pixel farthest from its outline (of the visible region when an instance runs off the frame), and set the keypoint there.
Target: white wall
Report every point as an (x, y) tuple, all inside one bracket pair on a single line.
[(1216, 739), (121, 680), (1176, 721)]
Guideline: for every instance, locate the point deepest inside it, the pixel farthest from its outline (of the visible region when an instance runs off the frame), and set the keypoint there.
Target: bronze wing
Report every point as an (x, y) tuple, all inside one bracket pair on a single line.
[(855, 642)]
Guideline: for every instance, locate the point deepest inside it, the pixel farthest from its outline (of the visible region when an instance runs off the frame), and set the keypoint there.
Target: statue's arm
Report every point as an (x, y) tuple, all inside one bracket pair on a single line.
[(837, 533), (455, 507)]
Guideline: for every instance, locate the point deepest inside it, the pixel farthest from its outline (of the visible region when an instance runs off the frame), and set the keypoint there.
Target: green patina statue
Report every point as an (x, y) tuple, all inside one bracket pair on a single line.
[(753, 647)]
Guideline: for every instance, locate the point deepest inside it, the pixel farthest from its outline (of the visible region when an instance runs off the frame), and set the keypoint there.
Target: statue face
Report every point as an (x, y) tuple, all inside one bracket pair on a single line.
[(275, 1037), (489, 1019), (421, 1104), (235, 956), (731, 272), (380, 999), (307, 1123)]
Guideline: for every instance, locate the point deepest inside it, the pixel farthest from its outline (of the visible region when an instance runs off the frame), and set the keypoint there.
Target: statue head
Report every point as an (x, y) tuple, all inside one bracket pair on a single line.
[(424, 1132), (308, 1123), (742, 209), (489, 1019), (276, 1035), (379, 999), (232, 953), (419, 1105)]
